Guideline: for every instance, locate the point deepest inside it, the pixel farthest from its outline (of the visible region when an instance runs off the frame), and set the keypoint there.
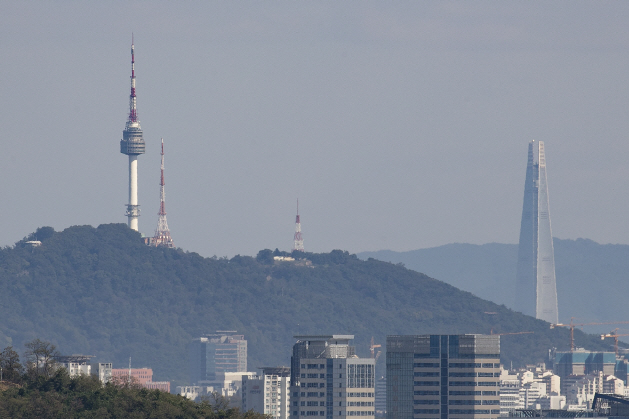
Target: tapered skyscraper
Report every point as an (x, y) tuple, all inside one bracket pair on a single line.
[(536, 290)]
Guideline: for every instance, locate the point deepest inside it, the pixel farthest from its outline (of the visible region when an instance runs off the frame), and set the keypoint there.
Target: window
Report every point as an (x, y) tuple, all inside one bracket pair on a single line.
[(427, 374), (303, 403), (321, 375)]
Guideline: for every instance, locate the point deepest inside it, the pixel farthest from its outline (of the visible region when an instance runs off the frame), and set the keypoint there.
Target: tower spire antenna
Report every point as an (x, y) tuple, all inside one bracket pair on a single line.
[(162, 233), (132, 144), (298, 239)]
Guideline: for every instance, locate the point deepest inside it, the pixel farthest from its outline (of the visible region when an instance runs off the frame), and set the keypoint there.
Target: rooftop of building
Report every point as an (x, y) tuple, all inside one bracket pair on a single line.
[(324, 337)]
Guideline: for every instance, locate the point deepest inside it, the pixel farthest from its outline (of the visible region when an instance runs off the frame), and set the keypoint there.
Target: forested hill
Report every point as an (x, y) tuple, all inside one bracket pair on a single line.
[(592, 278), (101, 291)]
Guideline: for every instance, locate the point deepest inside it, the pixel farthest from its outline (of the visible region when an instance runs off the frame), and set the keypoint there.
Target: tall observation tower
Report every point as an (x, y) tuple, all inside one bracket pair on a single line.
[(298, 240), (536, 290), (132, 144)]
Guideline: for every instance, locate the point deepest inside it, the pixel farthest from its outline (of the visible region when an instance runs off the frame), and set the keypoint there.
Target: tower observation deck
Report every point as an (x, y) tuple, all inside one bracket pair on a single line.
[(132, 144)]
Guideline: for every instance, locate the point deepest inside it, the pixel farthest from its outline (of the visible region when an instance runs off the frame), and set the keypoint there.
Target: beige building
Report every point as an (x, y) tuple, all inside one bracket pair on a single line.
[(269, 393), (329, 380)]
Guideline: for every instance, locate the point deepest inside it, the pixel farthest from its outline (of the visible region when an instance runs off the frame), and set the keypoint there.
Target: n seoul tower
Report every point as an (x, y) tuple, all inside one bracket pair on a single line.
[(132, 144)]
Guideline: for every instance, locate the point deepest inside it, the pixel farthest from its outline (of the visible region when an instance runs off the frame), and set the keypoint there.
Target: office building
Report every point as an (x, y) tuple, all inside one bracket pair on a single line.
[(223, 351), (269, 393), (536, 290), (329, 380), (443, 376)]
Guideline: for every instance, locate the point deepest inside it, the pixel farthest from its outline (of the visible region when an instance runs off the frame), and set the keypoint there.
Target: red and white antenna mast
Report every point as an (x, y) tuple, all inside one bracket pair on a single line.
[(162, 234), (299, 241)]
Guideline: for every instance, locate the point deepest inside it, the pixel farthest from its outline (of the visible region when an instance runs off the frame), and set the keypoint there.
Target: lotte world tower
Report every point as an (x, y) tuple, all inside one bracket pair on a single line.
[(536, 290)]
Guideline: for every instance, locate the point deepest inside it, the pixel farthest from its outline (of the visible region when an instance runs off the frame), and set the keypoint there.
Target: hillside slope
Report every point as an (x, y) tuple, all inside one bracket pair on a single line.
[(592, 278), (101, 291)]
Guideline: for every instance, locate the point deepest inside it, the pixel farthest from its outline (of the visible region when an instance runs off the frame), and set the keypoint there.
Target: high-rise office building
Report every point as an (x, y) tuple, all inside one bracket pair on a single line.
[(268, 394), (223, 351), (443, 376), (329, 380), (536, 290)]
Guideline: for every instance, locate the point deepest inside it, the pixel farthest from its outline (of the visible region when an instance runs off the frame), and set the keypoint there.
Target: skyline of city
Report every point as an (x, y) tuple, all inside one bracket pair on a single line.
[(424, 106)]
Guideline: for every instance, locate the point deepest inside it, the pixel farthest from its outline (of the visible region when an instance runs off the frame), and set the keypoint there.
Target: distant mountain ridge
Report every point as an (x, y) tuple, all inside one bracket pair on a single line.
[(592, 278), (101, 291)]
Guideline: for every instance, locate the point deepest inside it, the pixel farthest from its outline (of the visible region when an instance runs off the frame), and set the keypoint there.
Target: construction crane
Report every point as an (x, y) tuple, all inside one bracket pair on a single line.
[(491, 332), (372, 348), (615, 335), (572, 326)]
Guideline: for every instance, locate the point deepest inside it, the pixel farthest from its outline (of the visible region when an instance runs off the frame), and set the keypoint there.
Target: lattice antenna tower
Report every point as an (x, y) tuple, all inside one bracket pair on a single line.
[(298, 239), (162, 233), (132, 144)]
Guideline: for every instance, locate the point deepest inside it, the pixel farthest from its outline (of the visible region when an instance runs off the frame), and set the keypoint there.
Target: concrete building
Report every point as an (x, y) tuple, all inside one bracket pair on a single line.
[(103, 370), (223, 351), (536, 290), (443, 376), (76, 364), (269, 393), (329, 380)]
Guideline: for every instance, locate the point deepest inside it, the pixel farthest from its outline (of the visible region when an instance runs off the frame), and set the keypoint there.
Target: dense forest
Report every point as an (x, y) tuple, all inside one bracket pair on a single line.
[(101, 291), (592, 278)]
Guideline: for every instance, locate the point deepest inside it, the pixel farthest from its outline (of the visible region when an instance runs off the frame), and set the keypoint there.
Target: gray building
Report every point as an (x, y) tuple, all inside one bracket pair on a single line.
[(329, 380), (536, 290), (221, 352), (443, 376)]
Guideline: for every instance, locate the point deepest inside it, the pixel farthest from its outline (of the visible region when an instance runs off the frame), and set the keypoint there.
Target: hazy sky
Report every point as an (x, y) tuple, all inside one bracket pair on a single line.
[(398, 125)]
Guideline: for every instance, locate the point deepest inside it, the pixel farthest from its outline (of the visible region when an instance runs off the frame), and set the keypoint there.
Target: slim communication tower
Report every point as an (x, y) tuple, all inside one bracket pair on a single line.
[(162, 234), (299, 241), (132, 144)]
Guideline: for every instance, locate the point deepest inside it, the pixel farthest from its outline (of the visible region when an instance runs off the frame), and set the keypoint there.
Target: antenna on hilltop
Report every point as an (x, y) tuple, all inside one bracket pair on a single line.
[(298, 240), (162, 233)]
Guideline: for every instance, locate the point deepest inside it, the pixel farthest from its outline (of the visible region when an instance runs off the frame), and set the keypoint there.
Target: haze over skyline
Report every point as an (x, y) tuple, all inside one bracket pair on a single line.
[(397, 125)]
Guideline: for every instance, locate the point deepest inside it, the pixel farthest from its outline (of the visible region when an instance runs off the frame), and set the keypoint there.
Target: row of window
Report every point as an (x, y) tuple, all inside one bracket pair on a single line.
[(459, 411), (474, 412), (474, 374), (455, 393), (313, 385), (473, 402), (360, 403), (349, 394), (460, 356), (322, 413), (456, 383), (473, 383), (322, 394), (313, 366), (309, 375), (473, 393), (472, 365)]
